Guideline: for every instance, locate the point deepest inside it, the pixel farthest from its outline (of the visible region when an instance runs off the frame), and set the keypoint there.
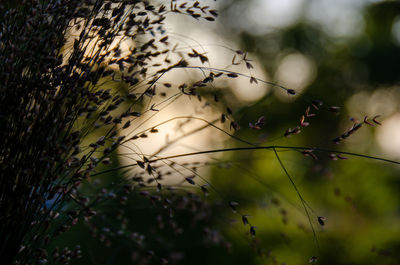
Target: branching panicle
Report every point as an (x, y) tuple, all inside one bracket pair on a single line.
[(80, 79)]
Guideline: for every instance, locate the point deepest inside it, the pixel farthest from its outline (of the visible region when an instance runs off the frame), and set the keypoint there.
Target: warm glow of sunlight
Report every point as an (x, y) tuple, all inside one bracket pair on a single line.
[(388, 135), (295, 71)]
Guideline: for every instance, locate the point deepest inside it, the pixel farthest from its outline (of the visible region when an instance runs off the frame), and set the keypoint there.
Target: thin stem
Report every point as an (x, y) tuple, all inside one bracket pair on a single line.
[(295, 148), (303, 202)]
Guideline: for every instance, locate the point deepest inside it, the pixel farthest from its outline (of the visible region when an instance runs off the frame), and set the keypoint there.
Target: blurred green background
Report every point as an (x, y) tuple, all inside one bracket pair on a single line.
[(352, 49), (345, 53)]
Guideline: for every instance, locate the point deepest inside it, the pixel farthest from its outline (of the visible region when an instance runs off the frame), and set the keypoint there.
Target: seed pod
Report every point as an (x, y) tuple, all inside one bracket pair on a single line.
[(126, 125), (223, 118), (190, 180), (291, 91), (367, 122), (321, 220), (149, 169), (140, 164), (253, 80), (375, 121), (234, 125), (232, 75), (334, 109), (233, 206), (245, 220), (253, 230), (204, 190), (313, 259)]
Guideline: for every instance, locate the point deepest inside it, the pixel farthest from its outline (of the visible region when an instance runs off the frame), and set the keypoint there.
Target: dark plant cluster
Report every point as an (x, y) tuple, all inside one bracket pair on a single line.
[(58, 59), (72, 93)]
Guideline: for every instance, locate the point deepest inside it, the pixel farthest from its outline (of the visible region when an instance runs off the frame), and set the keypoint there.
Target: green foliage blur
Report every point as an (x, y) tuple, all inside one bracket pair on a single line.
[(358, 197)]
